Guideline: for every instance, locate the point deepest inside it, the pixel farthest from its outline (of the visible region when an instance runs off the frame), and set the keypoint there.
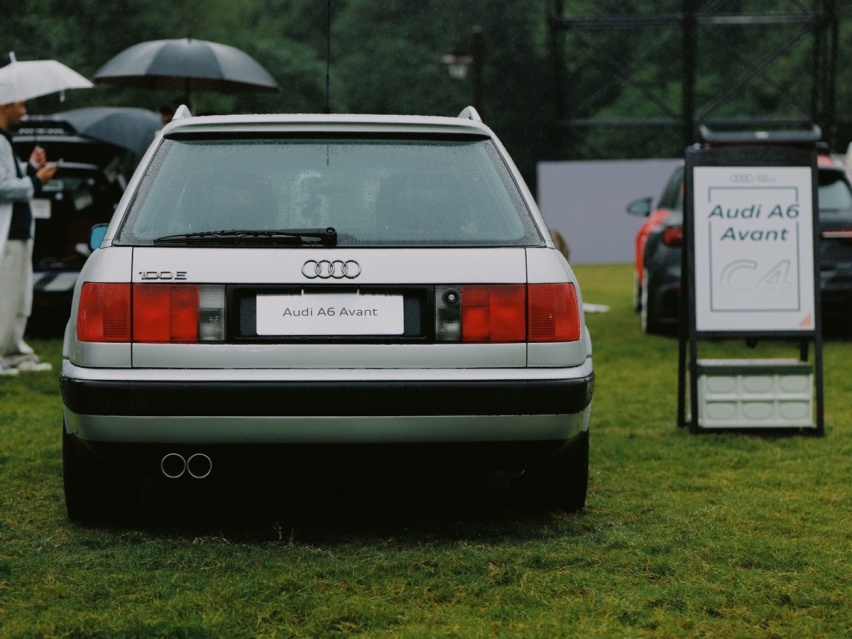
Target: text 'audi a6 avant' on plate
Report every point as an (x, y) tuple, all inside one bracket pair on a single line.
[(319, 294)]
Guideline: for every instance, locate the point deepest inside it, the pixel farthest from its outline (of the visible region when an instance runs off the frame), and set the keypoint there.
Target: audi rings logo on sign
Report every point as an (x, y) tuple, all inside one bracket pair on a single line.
[(325, 269)]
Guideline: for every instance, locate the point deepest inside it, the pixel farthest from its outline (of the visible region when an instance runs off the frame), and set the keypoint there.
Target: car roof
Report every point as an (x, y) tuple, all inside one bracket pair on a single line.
[(330, 123)]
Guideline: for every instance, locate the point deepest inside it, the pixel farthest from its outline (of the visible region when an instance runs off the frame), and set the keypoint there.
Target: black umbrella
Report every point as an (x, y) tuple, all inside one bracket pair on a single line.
[(127, 127), (187, 65)]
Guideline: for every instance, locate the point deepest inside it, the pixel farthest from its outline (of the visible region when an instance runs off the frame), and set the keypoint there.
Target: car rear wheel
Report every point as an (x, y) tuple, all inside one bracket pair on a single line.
[(89, 489), (650, 322), (637, 293), (560, 483)]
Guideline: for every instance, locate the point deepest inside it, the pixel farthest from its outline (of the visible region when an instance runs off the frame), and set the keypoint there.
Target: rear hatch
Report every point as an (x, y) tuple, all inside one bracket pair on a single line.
[(349, 245)]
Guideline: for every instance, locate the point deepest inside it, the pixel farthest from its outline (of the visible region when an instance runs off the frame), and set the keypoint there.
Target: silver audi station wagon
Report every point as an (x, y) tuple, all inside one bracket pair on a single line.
[(320, 294)]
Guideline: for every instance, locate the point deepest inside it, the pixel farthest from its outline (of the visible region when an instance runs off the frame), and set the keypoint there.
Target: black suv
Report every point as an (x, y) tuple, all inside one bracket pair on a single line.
[(84, 192)]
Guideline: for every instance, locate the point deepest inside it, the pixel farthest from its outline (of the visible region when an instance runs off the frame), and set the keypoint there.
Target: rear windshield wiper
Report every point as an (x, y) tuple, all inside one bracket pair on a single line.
[(300, 237)]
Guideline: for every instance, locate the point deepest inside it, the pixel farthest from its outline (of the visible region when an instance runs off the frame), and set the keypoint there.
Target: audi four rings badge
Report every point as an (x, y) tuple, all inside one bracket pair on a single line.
[(325, 269)]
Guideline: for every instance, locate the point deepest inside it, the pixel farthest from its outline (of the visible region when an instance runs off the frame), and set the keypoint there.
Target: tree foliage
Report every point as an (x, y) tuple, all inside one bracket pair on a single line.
[(385, 57), (754, 60)]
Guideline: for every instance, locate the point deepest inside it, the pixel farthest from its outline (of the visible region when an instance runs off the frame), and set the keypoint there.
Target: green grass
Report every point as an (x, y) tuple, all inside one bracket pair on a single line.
[(684, 535)]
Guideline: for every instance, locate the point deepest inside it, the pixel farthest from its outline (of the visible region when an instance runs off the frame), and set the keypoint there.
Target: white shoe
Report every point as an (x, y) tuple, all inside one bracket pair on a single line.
[(27, 362), (7, 370), (34, 365)]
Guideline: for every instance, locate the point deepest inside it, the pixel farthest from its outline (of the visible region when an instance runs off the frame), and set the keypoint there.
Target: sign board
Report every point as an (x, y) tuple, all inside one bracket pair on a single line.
[(750, 269), (753, 248)]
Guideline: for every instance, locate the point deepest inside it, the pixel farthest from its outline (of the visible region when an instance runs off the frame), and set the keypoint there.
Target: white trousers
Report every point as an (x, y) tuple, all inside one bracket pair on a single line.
[(16, 296)]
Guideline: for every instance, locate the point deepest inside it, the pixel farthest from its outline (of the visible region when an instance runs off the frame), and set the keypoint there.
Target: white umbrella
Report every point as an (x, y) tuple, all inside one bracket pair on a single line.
[(20, 81)]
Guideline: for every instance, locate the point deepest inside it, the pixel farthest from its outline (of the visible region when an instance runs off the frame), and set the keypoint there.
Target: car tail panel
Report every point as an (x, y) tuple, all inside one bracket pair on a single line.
[(192, 306)]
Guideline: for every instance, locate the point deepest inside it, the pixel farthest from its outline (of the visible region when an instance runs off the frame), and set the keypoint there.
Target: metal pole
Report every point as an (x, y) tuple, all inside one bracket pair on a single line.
[(328, 57), (831, 97), (478, 53), (688, 84), (557, 62)]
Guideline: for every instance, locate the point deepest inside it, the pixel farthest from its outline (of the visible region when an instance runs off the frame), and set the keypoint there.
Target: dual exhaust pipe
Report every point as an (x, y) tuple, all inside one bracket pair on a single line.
[(197, 466)]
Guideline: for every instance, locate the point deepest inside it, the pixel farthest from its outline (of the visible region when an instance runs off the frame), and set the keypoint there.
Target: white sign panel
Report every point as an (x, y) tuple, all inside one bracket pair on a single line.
[(330, 314), (753, 248)]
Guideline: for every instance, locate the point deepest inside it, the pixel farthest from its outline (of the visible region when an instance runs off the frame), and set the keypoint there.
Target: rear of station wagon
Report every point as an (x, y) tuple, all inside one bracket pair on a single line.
[(322, 293)]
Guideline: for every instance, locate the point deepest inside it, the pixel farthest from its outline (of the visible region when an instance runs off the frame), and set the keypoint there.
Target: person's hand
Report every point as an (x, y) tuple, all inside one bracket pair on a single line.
[(38, 158), (46, 173)]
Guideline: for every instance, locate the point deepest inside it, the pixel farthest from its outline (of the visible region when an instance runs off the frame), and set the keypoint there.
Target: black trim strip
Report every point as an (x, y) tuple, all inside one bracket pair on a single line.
[(307, 399)]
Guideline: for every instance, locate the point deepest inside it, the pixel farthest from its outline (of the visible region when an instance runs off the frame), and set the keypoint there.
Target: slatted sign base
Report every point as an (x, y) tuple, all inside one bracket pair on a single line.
[(748, 394)]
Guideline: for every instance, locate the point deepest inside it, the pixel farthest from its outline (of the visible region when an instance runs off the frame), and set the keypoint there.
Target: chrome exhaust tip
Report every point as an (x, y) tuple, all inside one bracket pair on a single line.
[(199, 466), (173, 465)]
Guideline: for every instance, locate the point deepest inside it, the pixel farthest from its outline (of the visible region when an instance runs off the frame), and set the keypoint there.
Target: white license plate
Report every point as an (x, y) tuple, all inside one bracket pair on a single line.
[(330, 314)]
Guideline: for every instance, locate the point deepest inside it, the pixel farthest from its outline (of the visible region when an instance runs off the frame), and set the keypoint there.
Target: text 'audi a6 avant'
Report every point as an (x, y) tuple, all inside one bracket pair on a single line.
[(322, 293)]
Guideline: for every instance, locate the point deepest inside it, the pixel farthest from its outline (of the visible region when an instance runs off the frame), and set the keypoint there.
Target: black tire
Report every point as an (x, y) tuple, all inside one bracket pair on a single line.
[(637, 294), (561, 483), (650, 321), (88, 490)]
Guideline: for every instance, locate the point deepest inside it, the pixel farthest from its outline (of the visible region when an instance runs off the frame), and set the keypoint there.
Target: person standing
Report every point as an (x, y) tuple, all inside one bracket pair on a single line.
[(167, 112), (18, 185)]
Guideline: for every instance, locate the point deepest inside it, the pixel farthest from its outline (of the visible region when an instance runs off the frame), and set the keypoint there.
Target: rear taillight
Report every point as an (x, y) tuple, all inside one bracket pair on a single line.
[(164, 313), (837, 234), (103, 314), (673, 236), (554, 314), (494, 313), (505, 313), (190, 313), (151, 313)]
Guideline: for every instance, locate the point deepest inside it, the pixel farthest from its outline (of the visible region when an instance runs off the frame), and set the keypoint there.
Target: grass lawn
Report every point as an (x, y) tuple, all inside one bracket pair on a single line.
[(683, 536)]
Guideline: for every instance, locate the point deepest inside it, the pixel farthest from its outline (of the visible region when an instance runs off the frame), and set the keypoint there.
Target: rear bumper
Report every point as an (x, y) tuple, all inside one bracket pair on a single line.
[(267, 410), (329, 461), (329, 399)]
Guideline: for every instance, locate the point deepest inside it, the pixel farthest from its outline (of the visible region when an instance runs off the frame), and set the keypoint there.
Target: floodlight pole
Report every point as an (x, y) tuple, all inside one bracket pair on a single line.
[(478, 52), (688, 87), (472, 57)]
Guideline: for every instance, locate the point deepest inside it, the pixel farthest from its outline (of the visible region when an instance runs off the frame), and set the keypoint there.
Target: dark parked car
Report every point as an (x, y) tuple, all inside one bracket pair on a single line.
[(659, 241), (84, 192), (663, 306)]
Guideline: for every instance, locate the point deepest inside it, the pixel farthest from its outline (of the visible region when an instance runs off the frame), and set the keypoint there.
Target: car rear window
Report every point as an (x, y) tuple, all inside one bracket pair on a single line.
[(373, 192)]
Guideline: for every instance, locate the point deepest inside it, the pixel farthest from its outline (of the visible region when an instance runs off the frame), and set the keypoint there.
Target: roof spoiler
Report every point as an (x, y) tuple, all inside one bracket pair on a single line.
[(809, 134), (469, 113)]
